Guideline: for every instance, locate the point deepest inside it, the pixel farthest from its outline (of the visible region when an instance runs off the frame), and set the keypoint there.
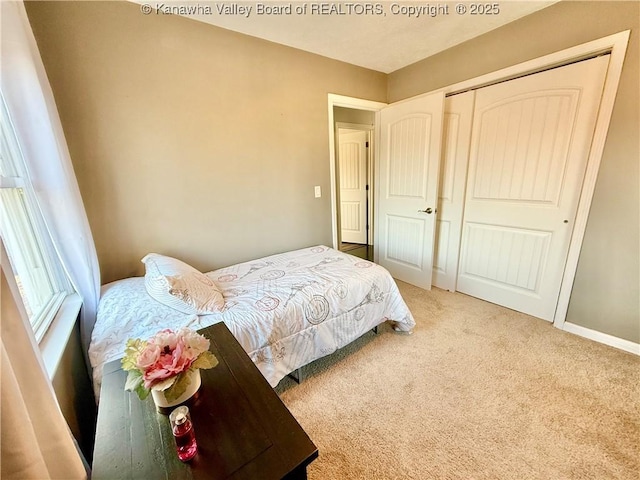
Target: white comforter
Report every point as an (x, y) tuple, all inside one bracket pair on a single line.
[(286, 310)]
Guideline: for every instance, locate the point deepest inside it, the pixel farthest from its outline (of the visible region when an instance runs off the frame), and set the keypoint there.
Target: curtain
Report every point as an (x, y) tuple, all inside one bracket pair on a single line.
[(32, 108), (35, 442)]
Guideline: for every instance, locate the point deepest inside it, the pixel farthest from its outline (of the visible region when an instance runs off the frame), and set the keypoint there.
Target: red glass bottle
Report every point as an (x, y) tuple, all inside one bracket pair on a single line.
[(183, 433)]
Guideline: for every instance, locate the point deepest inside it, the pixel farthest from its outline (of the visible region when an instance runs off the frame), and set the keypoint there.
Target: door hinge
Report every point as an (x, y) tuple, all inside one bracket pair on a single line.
[(366, 144), (366, 187)]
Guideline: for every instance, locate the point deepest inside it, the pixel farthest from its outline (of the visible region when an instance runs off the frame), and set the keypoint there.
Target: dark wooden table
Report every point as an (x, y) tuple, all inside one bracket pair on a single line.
[(243, 429)]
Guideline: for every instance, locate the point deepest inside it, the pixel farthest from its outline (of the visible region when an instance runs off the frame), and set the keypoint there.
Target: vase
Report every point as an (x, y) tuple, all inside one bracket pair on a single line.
[(165, 406)]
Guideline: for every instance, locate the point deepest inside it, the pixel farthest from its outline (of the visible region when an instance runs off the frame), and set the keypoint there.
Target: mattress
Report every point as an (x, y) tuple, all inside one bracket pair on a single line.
[(285, 310)]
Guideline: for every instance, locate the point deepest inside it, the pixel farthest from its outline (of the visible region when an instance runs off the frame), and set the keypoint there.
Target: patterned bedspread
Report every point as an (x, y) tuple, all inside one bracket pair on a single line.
[(285, 310)]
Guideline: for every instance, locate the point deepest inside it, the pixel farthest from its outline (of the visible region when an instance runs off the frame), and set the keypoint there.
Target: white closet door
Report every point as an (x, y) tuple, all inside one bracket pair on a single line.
[(410, 144), (530, 142), (458, 114)]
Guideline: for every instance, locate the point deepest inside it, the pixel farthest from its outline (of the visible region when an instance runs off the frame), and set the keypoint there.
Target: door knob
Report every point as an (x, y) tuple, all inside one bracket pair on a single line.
[(427, 210)]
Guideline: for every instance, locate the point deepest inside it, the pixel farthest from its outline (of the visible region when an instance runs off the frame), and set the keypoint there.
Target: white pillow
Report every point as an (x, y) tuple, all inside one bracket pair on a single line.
[(180, 286)]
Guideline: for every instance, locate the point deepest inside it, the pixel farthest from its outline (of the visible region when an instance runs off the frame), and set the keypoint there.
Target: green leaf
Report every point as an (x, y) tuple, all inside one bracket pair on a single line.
[(134, 380), (135, 383), (205, 360), (164, 384), (183, 380), (142, 392)]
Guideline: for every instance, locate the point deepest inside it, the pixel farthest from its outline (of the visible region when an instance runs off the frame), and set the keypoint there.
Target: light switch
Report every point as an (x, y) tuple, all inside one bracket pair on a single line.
[(318, 191)]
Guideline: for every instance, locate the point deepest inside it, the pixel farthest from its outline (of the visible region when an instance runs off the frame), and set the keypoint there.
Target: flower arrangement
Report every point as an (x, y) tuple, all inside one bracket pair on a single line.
[(164, 362)]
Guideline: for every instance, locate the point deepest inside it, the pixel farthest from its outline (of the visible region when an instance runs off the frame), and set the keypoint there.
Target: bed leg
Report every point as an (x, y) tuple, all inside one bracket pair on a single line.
[(297, 375)]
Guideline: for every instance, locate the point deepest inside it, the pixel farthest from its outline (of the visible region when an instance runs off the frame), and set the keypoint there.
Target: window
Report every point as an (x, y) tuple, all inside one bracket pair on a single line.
[(39, 275)]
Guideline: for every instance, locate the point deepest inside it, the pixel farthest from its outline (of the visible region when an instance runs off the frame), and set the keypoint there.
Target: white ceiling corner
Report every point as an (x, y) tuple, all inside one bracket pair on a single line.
[(383, 42)]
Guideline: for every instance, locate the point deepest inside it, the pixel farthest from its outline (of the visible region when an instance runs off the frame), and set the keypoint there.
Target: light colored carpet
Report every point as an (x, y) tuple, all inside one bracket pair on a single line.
[(477, 392)]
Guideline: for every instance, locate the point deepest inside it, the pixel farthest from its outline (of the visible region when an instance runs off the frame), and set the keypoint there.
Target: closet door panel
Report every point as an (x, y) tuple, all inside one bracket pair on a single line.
[(458, 115), (530, 143)]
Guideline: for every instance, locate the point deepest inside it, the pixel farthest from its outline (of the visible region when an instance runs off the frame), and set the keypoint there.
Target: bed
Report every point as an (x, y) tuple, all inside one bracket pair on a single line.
[(286, 310)]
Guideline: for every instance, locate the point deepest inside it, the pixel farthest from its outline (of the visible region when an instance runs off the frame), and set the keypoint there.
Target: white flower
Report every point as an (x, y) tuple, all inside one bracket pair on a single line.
[(194, 343)]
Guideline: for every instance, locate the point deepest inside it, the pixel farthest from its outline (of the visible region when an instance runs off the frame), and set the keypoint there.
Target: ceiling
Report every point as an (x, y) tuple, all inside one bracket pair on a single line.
[(384, 42)]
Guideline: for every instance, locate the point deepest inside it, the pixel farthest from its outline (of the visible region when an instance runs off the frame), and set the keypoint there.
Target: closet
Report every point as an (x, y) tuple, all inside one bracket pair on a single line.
[(513, 162)]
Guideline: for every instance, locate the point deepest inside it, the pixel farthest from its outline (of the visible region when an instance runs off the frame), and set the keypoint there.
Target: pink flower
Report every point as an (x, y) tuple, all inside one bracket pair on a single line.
[(169, 364), (148, 356), (158, 361)]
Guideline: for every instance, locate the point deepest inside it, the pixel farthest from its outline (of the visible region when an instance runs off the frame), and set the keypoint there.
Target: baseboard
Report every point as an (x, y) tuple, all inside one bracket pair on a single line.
[(600, 337)]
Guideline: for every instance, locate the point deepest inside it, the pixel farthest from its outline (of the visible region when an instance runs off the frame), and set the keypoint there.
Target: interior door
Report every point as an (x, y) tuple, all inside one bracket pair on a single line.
[(530, 143), (409, 160), (352, 158), (458, 114)]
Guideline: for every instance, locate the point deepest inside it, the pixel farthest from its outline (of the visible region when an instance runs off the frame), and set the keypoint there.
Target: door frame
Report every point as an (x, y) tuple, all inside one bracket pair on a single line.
[(369, 130), (616, 46), (355, 104)]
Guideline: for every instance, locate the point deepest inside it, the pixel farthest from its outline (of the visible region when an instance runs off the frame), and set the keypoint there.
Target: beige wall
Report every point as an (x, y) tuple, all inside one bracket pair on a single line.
[(605, 296), (191, 140), (350, 115)]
